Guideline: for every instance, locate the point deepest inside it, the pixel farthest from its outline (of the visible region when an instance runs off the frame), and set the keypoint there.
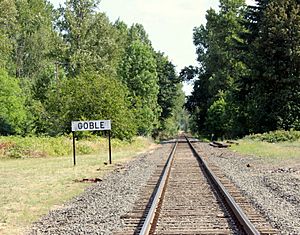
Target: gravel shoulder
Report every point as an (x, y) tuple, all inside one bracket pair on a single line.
[(273, 186), (99, 209)]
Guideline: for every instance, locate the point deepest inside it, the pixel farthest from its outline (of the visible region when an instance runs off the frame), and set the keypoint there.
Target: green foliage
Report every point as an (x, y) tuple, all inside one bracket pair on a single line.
[(7, 26), (89, 39), (221, 69), (274, 98), (276, 136), (67, 61), (90, 97), (32, 41), (84, 149), (138, 72), (170, 98), (177, 119), (15, 152), (137, 32), (17, 147), (168, 89), (44, 146), (216, 121), (20, 147), (34, 38), (251, 55), (12, 110), (42, 83)]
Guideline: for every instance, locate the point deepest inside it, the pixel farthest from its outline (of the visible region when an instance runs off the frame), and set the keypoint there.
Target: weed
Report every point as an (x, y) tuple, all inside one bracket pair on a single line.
[(85, 149), (276, 136), (16, 147)]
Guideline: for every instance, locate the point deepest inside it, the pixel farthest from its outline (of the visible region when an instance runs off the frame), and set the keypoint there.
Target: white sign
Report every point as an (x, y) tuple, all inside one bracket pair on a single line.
[(99, 125)]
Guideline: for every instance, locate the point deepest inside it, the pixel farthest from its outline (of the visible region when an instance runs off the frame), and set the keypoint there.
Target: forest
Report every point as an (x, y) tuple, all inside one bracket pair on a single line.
[(72, 63), (248, 75)]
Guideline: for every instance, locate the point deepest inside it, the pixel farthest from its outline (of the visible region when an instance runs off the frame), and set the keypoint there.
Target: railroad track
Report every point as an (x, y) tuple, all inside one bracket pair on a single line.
[(187, 196)]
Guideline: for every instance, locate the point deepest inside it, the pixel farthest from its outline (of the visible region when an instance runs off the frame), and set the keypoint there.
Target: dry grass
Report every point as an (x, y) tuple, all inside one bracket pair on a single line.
[(29, 187)]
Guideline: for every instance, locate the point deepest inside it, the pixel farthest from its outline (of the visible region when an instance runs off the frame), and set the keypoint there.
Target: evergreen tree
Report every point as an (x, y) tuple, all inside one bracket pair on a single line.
[(274, 98)]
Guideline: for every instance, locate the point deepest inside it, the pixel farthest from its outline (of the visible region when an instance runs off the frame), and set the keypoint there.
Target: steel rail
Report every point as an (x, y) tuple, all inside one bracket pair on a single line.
[(151, 214), (247, 225)]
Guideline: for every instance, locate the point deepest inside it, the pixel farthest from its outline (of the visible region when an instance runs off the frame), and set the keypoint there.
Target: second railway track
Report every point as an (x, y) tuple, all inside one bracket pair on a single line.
[(183, 199)]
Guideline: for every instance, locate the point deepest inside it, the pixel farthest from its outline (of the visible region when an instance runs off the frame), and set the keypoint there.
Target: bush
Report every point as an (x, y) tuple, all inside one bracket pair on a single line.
[(216, 121), (276, 136), (32, 146)]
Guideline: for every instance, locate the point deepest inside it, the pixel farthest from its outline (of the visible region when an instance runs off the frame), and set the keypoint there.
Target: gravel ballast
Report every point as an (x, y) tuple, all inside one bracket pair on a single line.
[(272, 186), (99, 208)]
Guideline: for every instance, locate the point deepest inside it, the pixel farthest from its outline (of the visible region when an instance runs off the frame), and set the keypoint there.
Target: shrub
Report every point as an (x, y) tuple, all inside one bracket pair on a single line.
[(32, 146), (276, 136)]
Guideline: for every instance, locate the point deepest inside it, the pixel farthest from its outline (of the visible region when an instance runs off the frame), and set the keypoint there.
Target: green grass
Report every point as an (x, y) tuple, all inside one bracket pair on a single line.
[(279, 151), (30, 186)]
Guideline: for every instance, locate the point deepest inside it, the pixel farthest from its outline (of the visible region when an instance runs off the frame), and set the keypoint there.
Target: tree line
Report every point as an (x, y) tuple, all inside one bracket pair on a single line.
[(248, 78), (72, 63)]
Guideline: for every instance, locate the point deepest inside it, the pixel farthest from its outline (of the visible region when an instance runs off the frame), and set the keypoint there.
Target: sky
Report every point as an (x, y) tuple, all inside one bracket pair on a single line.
[(169, 24)]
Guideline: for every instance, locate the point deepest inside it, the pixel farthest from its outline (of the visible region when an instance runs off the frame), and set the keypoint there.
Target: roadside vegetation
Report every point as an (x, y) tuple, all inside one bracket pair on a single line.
[(37, 174), (276, 136), (277, 145), (14, 147)]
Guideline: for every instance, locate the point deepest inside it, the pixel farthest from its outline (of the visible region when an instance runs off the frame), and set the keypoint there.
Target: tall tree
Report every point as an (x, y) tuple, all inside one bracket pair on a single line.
[(90, 97), (274, 99), (27, 25), (138, 73), (169, 90), (33, 38), (137, 32), (89, 37), (7, 28), (167, 82), (220, 66)]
